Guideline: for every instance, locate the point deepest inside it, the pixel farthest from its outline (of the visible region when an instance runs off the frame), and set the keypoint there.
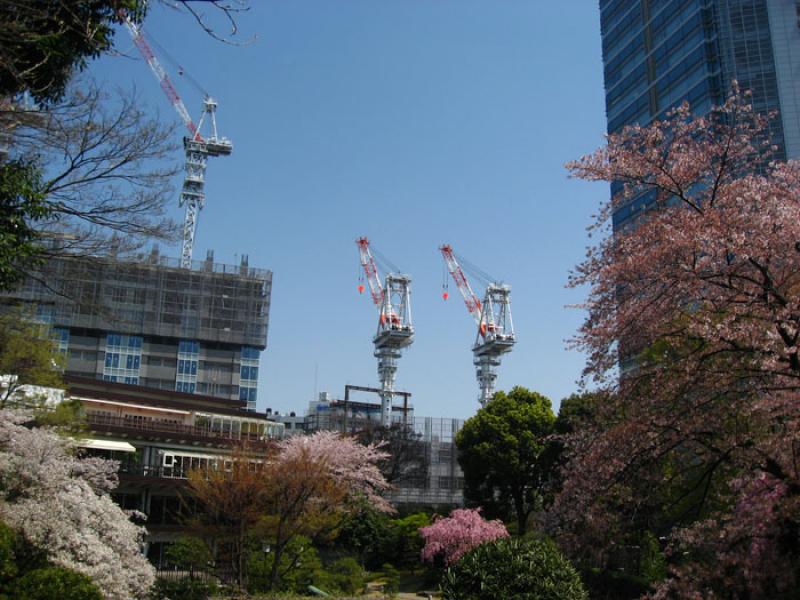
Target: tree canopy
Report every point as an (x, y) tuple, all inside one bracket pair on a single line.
[(505, 456), (698, 300)]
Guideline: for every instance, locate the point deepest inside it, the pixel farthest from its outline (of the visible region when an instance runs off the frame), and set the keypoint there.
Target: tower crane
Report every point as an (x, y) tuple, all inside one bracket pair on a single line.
[(492, 316), (395, 331), (198, 148)]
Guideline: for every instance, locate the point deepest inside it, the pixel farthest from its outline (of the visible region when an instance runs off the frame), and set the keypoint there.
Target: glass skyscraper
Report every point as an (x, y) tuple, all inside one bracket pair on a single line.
[(658, 53)]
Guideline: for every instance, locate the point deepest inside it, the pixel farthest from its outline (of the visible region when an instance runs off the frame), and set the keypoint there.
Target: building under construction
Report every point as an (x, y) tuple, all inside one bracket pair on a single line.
[(423, 455), (147, 321)]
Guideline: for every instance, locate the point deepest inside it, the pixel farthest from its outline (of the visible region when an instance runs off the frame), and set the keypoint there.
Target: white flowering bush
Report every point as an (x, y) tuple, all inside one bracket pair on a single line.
[(61, 504)]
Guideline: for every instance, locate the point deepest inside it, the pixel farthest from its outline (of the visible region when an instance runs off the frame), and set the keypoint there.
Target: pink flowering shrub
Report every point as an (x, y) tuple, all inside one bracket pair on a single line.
[(61, 504), (454, 536)]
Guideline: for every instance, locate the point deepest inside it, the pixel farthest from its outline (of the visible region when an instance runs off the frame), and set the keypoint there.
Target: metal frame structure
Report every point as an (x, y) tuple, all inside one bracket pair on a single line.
[(495, 335), (395, 329), (197, 147)]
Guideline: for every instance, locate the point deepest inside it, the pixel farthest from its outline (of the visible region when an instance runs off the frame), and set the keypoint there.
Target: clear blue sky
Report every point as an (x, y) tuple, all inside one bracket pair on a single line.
[(413, 122)]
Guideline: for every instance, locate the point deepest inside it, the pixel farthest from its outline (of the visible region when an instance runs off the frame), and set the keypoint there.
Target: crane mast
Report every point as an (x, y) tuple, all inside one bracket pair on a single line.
[(495, 335), (395, 330), (197, 147)]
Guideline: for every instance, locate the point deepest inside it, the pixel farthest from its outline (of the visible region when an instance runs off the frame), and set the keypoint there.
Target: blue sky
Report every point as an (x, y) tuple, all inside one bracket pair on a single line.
[(413, 122)]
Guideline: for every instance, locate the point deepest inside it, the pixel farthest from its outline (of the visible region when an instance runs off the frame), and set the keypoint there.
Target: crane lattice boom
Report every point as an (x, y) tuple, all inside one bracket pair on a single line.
[(371, 270), (197, 148), (161, 75), (457, 273)]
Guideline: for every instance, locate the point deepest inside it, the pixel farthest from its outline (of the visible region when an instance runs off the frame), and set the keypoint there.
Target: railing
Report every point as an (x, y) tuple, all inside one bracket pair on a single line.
[(146, 426)]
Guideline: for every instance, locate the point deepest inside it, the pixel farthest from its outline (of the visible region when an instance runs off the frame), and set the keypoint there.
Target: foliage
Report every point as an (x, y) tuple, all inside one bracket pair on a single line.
[(305, 487), (68, 416), (102, 165), (299, 566), (188, 552), (697, 302), (55, 582), (61, 505), (408, 541), (43, 43), (231, 502), (452, 537), (524, 569), (8, 559), (21, 205), (28, 356), (391, 577), (344, 575), (505, 455), (375, 538), (606, 584), (408, 456), (186, 588)]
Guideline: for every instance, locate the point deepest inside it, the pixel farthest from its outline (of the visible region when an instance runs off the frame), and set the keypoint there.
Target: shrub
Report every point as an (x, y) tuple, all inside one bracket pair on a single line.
[(188, 553), (184, 589), (299, 566), (523, 569), (392, 577), (55, 582), (344, 575)]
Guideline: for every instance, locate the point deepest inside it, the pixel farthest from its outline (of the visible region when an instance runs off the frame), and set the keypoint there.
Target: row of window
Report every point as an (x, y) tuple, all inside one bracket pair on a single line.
[(116, 340), (189, 347), (247, 394), (187, 367), (250, 373), (186, 386), (121, 379)]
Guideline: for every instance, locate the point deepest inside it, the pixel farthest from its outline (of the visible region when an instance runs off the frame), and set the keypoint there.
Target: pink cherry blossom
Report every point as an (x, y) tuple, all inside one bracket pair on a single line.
[(352, 464), (699, 300), (454, 536)]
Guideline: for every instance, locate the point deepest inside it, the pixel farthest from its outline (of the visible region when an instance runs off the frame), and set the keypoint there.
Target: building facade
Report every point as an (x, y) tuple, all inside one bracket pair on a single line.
[(158, 437), (149, 322), (659, 53)]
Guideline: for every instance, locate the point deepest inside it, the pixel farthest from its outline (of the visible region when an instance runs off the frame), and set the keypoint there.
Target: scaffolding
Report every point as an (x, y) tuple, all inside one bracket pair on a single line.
[(152, 295)]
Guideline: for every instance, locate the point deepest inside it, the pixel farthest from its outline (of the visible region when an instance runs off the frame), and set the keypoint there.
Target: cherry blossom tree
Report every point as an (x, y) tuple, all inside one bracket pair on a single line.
[(317, 481), (303, 486), (60, 503), (699, 301), (452, 537)]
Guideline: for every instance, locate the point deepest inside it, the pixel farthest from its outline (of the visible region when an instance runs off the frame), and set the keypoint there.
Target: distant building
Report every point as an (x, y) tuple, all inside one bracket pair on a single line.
[(658, 53), (439, 482), (149, 322)]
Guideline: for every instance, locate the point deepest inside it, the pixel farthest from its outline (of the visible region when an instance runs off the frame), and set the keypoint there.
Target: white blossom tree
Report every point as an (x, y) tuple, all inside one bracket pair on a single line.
[(60, 503)]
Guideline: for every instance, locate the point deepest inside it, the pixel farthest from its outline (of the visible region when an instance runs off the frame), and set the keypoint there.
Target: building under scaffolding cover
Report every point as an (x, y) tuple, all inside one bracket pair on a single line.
[(149, 322), (427, 469)]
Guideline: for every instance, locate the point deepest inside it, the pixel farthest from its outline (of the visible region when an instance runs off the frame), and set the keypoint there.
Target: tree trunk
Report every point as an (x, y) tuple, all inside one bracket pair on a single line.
[(522, 514)]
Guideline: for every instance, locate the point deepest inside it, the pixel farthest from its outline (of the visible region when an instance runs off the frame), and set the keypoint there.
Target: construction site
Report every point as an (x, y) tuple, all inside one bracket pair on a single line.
[(199, 327)]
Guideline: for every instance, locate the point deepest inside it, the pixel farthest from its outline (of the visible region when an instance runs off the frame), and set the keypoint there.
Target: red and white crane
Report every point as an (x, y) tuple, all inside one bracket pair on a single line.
[(198, 148), (395, 330), (492, 316)]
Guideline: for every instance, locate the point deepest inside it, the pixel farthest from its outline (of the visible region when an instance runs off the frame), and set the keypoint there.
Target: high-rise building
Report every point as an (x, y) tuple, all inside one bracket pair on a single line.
[(149, 322), (658, 53)]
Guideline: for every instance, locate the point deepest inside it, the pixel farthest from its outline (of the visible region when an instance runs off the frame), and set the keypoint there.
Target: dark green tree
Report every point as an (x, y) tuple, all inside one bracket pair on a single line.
[(506, 456), (43, 42)]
